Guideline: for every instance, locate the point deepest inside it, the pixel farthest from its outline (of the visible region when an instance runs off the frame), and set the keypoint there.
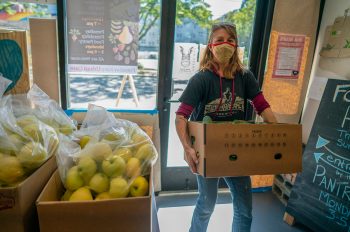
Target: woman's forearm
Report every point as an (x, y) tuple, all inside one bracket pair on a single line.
[(268, 115), (181, 129)]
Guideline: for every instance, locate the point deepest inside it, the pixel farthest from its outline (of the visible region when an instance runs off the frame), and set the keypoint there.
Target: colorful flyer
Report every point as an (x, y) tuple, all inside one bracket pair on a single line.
[(288, 56)]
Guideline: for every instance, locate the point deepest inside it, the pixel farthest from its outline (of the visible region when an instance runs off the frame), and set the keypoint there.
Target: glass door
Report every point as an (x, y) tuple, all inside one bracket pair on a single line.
[(193, 20)]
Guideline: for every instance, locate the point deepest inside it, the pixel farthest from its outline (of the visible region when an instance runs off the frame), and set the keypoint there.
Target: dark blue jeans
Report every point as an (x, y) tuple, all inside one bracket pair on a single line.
[(240, 188)]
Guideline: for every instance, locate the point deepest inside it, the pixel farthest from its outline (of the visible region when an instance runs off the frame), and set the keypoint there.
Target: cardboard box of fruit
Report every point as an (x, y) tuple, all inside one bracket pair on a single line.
[(29, 124), (17, 204), (106, 182)]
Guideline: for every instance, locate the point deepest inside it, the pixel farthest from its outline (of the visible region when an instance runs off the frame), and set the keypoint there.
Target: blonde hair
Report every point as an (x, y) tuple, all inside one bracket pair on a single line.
[(235, 64)]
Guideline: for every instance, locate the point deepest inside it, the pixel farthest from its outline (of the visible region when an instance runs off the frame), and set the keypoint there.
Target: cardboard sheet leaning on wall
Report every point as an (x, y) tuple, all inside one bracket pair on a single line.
[(284, 91)]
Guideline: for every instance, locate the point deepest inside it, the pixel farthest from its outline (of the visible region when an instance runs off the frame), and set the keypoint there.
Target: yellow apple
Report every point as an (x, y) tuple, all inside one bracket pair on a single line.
[(139, 187), (67, 194), (113, 166), (99, 183), (66, 129), (10, 169), (86, 168), (123, 152), (84, 140), (32, 155), (138, 138), (17, 140), (73, 179), (113, 139), (81, 194), (26, 120), (33, 131), (146, 152), (98, 151), (112, 136), (103, 196), (7, 146), (133, 167), (118, 187)]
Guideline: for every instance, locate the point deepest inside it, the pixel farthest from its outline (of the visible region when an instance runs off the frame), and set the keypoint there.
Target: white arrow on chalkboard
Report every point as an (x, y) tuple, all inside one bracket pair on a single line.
[(321, 142), (318, 157)]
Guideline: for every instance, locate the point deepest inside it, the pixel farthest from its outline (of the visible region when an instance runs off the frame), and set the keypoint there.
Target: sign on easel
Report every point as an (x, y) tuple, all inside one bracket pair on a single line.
[(320, 198)]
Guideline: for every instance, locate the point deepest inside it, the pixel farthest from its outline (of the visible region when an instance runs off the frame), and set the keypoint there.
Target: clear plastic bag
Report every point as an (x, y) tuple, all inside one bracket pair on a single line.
[(26, 143), (114, 161), (48, 111)]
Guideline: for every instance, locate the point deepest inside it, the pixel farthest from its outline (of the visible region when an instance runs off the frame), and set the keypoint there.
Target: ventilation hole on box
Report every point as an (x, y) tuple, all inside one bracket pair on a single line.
[(278, 156), (233, 157)]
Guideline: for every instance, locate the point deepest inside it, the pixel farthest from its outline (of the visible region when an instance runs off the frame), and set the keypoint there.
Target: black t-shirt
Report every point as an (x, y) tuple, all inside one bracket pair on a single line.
[(203, 93)]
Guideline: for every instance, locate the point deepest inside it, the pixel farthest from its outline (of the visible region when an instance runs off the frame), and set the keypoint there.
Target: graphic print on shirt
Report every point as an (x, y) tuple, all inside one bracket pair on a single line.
[(224, 109)]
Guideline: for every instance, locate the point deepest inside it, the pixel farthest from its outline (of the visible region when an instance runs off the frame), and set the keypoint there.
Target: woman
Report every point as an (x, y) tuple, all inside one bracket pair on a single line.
[(220, 90)]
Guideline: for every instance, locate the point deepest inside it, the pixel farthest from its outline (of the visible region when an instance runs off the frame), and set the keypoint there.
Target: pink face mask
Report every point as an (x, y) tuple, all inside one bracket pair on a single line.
[(223, 51)]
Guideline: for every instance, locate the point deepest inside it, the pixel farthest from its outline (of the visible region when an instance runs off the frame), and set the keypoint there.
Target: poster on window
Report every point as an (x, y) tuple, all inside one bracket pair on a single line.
[(288, 56), (185, 60), (102, 36)]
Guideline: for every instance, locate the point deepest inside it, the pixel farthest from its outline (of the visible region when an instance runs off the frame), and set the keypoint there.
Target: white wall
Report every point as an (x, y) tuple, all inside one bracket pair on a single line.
[(319, 75)]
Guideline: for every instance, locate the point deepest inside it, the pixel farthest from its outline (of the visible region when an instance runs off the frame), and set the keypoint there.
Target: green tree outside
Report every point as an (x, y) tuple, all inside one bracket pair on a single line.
[(198, 11), (243, 18)]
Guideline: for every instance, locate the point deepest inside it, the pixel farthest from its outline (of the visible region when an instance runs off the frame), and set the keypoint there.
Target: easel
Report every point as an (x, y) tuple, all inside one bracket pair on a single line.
[(133, 89)]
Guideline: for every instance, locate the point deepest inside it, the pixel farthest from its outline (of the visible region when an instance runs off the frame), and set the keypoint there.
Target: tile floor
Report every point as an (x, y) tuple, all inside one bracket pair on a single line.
[(175, 212)]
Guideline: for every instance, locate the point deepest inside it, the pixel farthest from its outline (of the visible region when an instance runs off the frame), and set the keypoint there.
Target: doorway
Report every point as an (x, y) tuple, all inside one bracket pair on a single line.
[(183, 39)]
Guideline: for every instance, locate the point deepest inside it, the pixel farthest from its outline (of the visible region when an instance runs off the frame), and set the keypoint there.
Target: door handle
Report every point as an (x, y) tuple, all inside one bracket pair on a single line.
[(173, 101)]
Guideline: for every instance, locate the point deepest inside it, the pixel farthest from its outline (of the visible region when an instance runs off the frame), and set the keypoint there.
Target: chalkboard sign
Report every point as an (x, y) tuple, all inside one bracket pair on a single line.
[(320, 198), (102, 36)]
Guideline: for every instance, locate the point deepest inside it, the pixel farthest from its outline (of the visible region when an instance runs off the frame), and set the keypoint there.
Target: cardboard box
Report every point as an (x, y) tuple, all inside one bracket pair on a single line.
[(17, 204), (227, 149), (133, 214)]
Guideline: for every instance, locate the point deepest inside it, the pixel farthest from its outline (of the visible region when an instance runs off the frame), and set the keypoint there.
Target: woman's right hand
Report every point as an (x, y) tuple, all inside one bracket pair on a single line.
[(191, 158)]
